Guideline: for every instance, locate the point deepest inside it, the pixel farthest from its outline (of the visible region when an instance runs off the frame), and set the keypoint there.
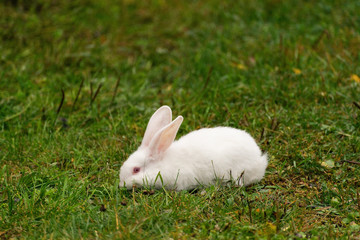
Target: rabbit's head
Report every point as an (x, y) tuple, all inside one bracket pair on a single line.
[(145, 163)]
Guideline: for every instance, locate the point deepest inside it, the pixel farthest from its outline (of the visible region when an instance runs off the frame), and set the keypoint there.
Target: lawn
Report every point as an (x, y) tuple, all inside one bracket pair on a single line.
[(80, 79)]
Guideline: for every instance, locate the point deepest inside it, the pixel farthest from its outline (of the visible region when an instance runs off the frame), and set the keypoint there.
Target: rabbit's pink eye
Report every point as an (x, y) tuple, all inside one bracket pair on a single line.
[(136, 170)]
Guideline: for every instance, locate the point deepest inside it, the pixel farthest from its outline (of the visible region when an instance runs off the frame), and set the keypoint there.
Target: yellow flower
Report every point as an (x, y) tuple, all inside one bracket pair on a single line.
[(271, 227), (296, 71), (355, 78), (239, 66)]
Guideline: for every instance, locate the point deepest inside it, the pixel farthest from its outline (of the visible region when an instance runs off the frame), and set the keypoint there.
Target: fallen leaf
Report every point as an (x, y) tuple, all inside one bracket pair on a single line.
[(328, 164)]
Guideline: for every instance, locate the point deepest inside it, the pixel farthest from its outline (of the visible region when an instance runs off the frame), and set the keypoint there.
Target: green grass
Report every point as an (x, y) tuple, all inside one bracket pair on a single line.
[(285, 71)]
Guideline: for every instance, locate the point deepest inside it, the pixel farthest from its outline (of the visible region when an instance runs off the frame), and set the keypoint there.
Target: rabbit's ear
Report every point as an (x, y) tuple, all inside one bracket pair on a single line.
[(164, 138), (158, 120)]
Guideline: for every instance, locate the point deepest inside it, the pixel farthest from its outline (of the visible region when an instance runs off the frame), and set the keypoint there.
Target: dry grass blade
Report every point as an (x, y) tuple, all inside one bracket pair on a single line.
[(19, 113), (262, 134), (321, 36), (250, 208), (115, 91), (91, 92), (61, 102), (274, 124), (208, 77), (96, 93), (77, 94), (358, 198), (353, 162), (356, 105)]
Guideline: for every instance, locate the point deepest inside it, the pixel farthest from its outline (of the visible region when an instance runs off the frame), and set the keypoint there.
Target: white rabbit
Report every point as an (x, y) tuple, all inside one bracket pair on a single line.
[(199, 158)]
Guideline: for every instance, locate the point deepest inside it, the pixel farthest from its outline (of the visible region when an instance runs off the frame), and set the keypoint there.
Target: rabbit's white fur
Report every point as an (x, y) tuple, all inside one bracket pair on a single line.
[(199, 158)]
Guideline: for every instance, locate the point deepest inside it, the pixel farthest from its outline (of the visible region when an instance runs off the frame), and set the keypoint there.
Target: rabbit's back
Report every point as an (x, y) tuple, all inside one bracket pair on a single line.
[(221, 151)]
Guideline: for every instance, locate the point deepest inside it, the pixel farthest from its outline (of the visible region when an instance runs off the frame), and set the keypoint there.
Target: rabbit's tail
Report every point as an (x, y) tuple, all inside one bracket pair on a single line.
[(265, 158)]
